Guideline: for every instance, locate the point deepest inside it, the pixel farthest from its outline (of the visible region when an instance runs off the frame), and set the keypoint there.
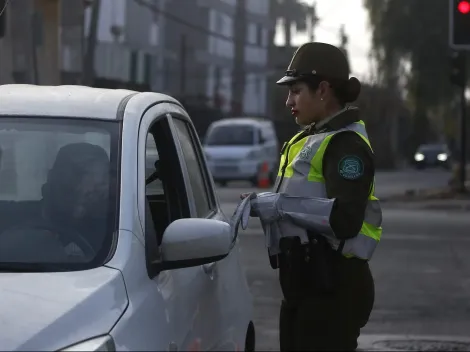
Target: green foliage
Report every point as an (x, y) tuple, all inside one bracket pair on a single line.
[(417, 31)]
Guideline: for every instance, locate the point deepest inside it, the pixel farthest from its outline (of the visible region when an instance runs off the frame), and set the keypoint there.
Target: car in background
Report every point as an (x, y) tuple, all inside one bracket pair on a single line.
[(111, 234), (239, 149), (432, 155)]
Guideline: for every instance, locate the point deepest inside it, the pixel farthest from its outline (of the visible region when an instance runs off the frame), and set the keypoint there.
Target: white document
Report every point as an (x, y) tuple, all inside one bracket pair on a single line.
[(241, 215)]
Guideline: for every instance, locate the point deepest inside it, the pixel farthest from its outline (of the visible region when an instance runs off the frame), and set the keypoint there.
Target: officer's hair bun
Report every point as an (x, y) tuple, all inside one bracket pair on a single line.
[(352, 90)]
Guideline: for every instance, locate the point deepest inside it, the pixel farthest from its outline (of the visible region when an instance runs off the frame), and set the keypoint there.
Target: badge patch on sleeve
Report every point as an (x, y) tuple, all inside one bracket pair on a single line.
[(351, 167)]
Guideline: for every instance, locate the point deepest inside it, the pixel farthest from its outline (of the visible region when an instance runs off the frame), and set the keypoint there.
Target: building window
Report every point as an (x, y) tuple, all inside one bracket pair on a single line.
[(219, 22), (251, 33)]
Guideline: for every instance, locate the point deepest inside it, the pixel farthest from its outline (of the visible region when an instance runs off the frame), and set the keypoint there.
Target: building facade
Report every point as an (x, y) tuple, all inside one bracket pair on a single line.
[(209, 33), (42, 43), (180, 47)]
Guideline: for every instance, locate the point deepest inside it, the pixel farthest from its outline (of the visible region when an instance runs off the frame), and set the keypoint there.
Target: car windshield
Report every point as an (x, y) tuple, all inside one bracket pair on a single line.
[(58, 192), (432, 148), (231, 135)]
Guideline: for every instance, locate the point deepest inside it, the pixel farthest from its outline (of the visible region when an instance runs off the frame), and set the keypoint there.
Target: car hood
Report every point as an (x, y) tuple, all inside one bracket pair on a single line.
[(227, 152), (50, 311)]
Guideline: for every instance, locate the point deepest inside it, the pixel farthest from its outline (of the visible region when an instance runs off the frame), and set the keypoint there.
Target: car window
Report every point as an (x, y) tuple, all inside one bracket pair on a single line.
[(260, 137), (58, 176), (165, 193), (194, 165), (432, 148), (155, 185), (231, 135)]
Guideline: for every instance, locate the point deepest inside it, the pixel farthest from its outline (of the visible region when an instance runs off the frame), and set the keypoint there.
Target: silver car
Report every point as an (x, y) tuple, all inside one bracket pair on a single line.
[(111, 234)]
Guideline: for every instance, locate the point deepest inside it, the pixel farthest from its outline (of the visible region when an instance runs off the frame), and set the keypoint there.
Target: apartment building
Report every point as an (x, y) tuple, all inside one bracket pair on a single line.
[(207, 37), (42, 42), (185, 48)]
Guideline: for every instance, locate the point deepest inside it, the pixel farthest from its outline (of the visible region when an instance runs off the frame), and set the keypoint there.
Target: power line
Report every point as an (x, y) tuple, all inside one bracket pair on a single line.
[(195, 27)]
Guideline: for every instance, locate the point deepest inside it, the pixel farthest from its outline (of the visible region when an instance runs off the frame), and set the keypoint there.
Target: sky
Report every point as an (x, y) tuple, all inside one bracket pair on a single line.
[(333, 14)]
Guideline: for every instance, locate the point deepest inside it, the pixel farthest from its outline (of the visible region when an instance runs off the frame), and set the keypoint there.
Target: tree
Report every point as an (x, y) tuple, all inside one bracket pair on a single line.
[(292, 13), (343, 41), (413, 32)]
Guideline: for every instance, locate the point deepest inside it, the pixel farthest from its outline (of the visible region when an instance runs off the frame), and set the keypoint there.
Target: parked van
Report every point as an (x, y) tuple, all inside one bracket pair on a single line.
[(237, 148)]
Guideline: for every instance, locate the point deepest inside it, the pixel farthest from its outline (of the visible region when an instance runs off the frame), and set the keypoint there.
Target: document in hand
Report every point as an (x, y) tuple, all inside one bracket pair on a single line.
[(241, 215)]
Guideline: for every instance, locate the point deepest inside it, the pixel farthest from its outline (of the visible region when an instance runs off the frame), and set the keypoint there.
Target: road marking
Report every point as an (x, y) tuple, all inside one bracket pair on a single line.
[(373, 342)]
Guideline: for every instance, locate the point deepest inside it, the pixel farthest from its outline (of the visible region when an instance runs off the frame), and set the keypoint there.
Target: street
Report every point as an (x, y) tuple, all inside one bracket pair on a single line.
[(421, 270)]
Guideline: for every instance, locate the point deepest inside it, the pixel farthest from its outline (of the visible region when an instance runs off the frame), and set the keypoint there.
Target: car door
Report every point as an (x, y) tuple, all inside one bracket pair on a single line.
[(161, 201), (217, 325)]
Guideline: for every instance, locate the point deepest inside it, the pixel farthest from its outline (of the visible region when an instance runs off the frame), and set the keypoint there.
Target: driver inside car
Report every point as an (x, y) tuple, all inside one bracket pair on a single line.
[(73, 217)]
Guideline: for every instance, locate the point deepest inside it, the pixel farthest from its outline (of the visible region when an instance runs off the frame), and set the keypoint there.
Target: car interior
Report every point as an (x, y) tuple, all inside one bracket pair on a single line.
[(170, 203), (14, 213)]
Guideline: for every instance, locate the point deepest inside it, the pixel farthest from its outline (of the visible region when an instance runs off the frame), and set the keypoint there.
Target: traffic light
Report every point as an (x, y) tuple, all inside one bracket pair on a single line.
[(459, 24), (458, 68)]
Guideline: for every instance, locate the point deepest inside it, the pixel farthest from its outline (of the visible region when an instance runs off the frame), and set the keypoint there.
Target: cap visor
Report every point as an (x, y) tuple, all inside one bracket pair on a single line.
[(287, 80)]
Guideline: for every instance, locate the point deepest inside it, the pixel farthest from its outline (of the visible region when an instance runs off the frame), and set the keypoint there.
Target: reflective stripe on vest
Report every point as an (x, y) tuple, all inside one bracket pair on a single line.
[(303, 176)]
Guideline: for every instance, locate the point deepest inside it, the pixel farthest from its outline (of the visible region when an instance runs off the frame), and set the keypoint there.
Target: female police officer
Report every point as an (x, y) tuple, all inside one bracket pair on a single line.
[(325, 188)]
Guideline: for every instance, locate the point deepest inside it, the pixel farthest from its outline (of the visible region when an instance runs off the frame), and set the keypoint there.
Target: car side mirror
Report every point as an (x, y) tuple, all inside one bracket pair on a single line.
[(192, 242)]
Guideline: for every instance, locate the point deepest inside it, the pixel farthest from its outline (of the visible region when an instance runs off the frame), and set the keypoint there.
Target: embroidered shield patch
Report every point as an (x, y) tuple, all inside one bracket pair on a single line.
[(305, 153), (351, 167)]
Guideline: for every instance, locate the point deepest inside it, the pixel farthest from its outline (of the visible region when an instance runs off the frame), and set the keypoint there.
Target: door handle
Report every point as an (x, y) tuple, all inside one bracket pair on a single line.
[(209, 269)]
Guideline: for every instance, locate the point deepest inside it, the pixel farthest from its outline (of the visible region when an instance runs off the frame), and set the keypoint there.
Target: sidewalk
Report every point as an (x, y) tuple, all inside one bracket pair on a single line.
[(431, 199)]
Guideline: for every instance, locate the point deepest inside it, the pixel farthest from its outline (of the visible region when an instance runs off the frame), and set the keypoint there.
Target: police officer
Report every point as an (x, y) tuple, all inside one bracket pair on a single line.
[(325, 186)]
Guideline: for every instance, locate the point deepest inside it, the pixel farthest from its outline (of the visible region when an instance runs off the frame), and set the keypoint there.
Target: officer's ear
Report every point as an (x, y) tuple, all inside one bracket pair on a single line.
[(323, 90)]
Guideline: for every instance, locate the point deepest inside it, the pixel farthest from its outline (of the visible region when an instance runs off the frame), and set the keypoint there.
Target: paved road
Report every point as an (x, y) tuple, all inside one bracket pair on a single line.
[(421, 269), (387, 183)]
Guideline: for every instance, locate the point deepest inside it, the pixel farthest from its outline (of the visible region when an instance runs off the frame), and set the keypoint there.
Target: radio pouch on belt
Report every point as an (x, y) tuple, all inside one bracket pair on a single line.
[(321, 264)]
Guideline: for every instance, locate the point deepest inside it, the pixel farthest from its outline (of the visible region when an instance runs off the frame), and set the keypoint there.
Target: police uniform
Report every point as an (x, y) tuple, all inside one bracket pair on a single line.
[(326, 281)]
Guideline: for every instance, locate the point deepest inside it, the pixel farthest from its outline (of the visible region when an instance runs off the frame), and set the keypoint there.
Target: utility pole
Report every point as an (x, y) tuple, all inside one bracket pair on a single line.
[(161, 47), (183, 58), (459, 41), (463, 127), (89, 61), (238, 73), (47, 19), (35, 39), (458, 76)]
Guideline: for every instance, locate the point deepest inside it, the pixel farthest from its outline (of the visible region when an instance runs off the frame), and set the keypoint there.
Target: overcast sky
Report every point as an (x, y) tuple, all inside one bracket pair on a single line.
[(333, 14)]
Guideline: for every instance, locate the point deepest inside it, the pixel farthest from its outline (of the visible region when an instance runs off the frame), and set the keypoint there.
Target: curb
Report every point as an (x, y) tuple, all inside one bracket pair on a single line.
[(427, 204)]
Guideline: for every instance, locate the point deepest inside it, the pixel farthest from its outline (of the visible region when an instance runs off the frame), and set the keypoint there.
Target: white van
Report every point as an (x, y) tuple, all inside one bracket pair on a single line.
[(237, 148)]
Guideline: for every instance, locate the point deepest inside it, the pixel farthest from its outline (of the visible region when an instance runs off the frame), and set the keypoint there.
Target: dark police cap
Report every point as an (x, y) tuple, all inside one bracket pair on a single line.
[(319, 59), (324, 61)]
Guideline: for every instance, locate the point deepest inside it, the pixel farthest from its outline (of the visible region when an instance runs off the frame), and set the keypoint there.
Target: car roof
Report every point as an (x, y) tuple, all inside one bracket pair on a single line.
[(242, 121), (432, 146), (66, 100)]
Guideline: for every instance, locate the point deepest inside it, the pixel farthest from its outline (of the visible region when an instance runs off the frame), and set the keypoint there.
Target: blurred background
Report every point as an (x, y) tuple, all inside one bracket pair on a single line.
[(222, 57)]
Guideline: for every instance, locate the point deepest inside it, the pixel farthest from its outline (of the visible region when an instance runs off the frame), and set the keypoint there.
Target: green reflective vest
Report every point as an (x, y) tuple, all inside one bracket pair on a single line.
[(301, 174)]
